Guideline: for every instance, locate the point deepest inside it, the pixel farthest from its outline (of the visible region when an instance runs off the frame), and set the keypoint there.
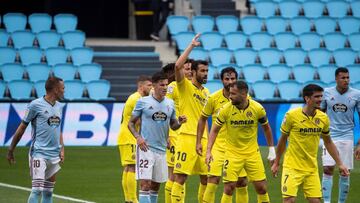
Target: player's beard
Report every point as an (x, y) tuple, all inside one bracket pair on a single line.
[(201, 80)]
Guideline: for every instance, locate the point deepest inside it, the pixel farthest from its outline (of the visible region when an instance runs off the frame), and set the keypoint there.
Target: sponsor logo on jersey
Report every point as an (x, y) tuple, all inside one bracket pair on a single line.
[(54, 121), (249, 114), (310, 130), (200, 99), (340, 108), (242, 122), (159, 116)]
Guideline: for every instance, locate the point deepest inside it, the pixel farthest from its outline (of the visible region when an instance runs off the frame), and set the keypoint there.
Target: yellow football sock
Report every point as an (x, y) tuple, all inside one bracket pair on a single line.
[(131, 183), (209, 195), (242, 195), (226, 198), (177, 193), (183, 193), (263, 198), (124, 185), (201, 191), (168, 187)]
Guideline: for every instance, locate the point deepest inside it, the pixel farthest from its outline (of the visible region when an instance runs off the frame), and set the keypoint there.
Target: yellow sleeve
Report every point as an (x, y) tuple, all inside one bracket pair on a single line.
[(208, 108), (326, 130), (262, 116), (286, 124), (221, 118), (182, 85)]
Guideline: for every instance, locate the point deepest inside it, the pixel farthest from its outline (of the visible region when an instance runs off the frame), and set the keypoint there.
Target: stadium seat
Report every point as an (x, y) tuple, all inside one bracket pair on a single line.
[(349, 25), (289, 8), (319, 57), (81, 56), (300, 25), (212, 73), (74, 90), (235, 40), (309, 40), (245, 56), (211, 40), (337, 8), (251, 24), (313, 8), (65, 22), (40, 22), (264, 90), (177, 24), (285, 40), (355, 8), (303, 73), (99, 90), (344, 57), (56, 55), (354, 40), (29, 55), (356, 85), (40, 88), (20, 89), (7, 55), (183, 39), (270, 56), (279, 72), (22, 39), (2, 90), (260, 40), (73, 39), (89, 72), (213, 85), (203, 23), (38, 72), (324, 25), (334, 40), (48, 39), (4, 38), (14, 22), (327, 73), (12, 71), (354, 72), (227, 23), (265, 9), (290, 90), (199, 53), (295, 56), (64, 71), (220, 56), (253, 72), (275, 25)]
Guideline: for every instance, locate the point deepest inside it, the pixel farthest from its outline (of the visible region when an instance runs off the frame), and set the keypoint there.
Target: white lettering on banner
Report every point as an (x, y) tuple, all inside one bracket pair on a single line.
[(114, 129), (20, 109), (4, 117)]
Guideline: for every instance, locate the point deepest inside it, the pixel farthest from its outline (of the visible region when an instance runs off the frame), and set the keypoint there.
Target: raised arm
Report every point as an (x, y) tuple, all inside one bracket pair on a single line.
[(280, 149), (331, 148), (17, 137)]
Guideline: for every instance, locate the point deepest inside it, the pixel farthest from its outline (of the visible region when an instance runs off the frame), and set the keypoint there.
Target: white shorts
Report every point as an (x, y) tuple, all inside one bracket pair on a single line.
[(346, 151), (43, 169), (151, 166)]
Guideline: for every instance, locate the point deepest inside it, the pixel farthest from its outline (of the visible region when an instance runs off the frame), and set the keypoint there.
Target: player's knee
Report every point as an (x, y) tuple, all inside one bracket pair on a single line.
[(242, 182), (328, 170), (203, 179), (289, 200), (145, 185), (130, 168), (180, 178), (261, 188), (229, 188), (214, 180)]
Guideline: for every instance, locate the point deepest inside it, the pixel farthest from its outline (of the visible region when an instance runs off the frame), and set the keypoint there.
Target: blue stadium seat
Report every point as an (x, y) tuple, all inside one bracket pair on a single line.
[(73, 39), (327, 73), (275, 25), (295, 56), (212, 72), (99, 90), (355, 8), (203, 23), (213, 85), (40, 22), (48, 39), (227, 23), (64, 71), (89, 72), (349, 25), (354, 40), (22, 39), (7, 55), (56, 55), (300, 25), (324, 25), (12, 71), (265, 9), (211, 40), (264, 90), (253, 72), (245, 56), (29, 55), (356, 85), (289, 8), (303, 73), (2, 90), (177, 24), (235, 40), (74, 90), (199, 53), (285, 40), (20, 89), (344, 57), (81, 56), (40, 88), (220, 56), (309, 40), (14, 21), (270, 56), (290, 90), (319, 57), (313, 8), (334, 41), (354, 72), (183, 39), (65, 22), (279, 72), (260, 40), (337, 8), (4, 38), (251, 24), (38, 72)]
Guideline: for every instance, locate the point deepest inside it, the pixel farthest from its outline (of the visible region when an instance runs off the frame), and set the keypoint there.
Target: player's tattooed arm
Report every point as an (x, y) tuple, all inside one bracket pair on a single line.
[(17, 137), (140, 141), (176, 123)]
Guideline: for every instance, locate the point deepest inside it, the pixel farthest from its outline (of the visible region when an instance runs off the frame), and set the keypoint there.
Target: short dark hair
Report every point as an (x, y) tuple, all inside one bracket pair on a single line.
[(241, 85), (195, 65), (158, 76), (169, 70), (228, 70), (309, 90), (143, 78), (51, 83), (341, 70), (189, 61)]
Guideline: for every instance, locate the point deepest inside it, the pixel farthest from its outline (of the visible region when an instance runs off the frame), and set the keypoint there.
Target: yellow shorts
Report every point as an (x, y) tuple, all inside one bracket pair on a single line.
[(187, 161), (234, 164), (216, 166), (127, 154), (170, 153), (291, 179)]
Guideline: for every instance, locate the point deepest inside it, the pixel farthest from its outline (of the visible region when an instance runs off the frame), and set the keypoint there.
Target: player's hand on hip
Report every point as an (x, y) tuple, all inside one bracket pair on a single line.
[(199, 148), (195, 41), (182, 119), (344, 171), (10, 157), (142, 144), (275, 169)]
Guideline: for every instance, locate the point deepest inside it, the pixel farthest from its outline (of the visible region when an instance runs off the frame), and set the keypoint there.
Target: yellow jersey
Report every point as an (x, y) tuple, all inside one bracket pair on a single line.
[(191, 102), (242, 126), (173, 93), (304, 135), (125, 136)]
